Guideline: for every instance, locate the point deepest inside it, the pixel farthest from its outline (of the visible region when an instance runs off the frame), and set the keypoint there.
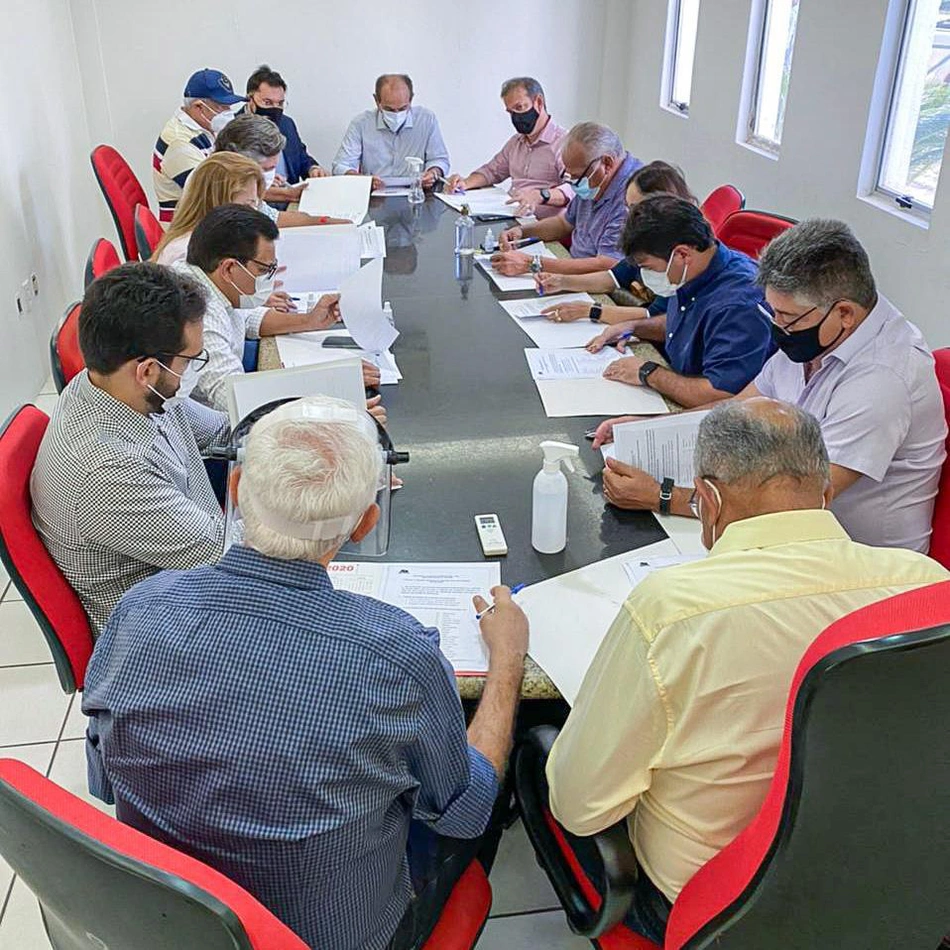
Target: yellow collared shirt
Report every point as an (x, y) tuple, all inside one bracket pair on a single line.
[(679, 719)]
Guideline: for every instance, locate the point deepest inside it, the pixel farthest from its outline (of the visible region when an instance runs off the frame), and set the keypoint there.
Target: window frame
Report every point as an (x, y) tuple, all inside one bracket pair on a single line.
[(671, 58)]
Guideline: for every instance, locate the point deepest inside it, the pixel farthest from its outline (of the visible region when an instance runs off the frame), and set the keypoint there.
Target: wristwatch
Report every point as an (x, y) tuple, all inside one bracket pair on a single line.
[(666, 495), (648, 367), (595, 311), (545, 195)]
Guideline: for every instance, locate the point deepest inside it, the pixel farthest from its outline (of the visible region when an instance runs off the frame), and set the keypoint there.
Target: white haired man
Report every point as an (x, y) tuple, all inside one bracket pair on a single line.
[(318, 729)]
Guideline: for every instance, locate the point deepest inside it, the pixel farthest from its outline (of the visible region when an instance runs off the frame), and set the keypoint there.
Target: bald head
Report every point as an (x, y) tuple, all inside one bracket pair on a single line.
[(393, 91)]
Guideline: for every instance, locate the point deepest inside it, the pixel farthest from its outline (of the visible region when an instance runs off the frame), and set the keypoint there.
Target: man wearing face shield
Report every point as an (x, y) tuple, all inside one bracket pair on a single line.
[(848, 356), (119, 488), (321, 729), (188, 136), (531, 157), (597, 167), (378, 142), (679, 720)]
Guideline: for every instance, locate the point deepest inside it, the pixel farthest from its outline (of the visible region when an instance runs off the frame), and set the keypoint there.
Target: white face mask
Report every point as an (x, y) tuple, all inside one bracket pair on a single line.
[(269, 177), (394, 120), (263, 288), (220, 120), (660, 284), (187, 382)]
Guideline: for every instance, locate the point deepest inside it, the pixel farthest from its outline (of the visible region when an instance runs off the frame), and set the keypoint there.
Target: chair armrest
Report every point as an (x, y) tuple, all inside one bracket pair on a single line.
[(589, 913)]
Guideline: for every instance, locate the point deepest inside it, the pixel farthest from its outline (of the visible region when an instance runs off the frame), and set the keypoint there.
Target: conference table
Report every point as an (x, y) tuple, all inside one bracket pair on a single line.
[(471, 418)]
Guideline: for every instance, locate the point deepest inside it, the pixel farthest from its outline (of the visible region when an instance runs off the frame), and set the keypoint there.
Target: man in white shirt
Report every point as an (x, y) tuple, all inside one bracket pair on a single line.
[(849, 357)]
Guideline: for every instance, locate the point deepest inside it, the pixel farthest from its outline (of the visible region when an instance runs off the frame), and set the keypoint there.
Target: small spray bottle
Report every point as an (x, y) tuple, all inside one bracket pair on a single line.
[(549, 498)]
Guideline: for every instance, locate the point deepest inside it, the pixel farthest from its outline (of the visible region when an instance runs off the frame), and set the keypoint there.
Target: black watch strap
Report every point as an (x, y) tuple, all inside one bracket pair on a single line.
[(666, 495), (595, 311), (645, 370)]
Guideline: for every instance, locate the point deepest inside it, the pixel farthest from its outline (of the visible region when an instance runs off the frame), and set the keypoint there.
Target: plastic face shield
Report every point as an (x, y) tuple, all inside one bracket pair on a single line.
[(376, 543)]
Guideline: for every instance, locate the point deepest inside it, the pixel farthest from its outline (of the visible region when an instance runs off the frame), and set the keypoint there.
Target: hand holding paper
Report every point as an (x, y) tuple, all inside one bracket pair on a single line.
[(361, 305)]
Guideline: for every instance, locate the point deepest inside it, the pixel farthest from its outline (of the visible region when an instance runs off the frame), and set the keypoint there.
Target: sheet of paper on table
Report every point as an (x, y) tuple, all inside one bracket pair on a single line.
[(574, 363), (338, 196), (391, 193), (569, 615), (492, 200), (361, 306), (661, 447), (341, 377), (545, 332), (507, 284), (372, 240), (437, 595), (307, 349), (597, 397), (318, 256)]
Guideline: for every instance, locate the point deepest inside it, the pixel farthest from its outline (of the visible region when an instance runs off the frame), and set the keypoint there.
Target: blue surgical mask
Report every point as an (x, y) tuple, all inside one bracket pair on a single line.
[(583, 188), (394, 120)]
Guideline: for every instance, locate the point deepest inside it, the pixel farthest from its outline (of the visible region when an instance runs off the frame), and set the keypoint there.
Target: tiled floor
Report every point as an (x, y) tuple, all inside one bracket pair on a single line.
[(44, 727)]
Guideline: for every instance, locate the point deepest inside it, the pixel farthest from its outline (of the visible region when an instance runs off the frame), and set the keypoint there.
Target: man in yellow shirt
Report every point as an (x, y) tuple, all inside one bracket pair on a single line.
[(679, 719)]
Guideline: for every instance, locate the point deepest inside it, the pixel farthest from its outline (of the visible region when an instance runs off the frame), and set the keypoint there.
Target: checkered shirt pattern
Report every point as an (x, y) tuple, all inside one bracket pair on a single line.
[(285, 733), (118, 495)]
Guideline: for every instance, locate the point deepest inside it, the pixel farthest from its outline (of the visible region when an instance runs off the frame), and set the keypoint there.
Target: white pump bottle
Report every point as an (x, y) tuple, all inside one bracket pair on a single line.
[(549, 498)]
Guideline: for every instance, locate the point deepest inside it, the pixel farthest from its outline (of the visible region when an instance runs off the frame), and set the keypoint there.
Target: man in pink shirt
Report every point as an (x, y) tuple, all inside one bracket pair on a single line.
[(532, 158)]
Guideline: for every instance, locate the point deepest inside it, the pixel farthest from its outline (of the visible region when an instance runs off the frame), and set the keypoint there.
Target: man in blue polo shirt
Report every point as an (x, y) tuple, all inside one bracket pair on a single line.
[(713, 333)]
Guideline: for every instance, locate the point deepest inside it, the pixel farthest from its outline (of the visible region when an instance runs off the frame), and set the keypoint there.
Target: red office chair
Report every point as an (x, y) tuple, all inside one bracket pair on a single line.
[(148, 231), (849, 849), (46, 592), (101, 883), (65, 357), (940, 536), (102, 258), (751, 231), (721, 202), (122, 192)]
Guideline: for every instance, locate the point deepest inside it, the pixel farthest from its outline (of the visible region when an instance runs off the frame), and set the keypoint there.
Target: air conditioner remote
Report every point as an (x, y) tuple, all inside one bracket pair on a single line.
[(490, 535)]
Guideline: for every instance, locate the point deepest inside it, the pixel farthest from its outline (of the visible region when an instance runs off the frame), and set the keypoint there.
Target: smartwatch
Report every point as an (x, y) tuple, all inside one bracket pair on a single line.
[(545, 195), (666, 495), (595, 311), (648, 367)]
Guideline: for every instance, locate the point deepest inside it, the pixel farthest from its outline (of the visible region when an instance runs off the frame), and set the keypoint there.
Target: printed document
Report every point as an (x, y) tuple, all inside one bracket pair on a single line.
[(337, 196), (545, 332), (362, 309), (570, 364), (437, 595), (307, 349), (661, 447), (507, 284), (597, 397), (317, 257), (492, 200)]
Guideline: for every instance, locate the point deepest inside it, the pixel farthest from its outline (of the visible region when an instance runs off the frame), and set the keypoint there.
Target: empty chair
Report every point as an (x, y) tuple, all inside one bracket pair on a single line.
[(940, 538), (849, 847), (751, 231), (720, 203), (65, 357), (148, 231), (53, 603), (122, 192), (103, 884), (102, 258)]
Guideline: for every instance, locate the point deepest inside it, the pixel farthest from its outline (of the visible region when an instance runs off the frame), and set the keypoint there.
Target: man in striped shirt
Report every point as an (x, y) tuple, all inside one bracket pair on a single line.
[(188, 136)]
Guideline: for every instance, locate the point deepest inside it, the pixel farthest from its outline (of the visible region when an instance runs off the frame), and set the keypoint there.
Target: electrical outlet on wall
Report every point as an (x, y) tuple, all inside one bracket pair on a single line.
[(26, 296), (35, 284)]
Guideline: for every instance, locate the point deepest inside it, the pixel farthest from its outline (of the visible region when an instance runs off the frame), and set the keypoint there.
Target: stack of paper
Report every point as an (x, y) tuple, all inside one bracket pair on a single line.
[(437, 595), (507, 284), (494, 200), (307, 349), (661, 447), (597, 397), (317, 259), (569, 364), (337, 196), (545, 332)]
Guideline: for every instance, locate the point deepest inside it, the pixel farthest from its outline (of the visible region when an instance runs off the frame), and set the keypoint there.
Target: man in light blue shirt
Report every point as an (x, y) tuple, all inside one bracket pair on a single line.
[(378, 141)]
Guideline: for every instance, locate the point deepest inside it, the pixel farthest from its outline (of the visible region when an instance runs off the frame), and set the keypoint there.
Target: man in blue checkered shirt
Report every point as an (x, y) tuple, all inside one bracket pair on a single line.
[(292, 735)]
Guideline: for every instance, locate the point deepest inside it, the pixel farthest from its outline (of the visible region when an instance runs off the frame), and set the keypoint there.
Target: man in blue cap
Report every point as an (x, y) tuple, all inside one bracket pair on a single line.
[(188, 136)]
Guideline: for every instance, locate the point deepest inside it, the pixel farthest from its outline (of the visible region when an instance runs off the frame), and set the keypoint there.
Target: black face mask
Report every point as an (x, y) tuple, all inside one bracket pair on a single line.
[(524, 121), (802, 346), (273, 114)]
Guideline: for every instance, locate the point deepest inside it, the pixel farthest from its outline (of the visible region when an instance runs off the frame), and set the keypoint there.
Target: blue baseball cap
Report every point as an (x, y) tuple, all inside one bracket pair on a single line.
[(212, 84)]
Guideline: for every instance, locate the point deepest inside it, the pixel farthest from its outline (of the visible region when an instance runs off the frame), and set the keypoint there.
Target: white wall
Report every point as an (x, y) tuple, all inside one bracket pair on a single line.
[(833, 69), (50, 210), (136, 58)]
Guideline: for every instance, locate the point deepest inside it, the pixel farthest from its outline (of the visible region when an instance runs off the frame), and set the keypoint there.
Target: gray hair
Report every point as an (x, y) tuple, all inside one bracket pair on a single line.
[(531, 87), (252, 135), (737, 443), (595, 140), (819, 261)]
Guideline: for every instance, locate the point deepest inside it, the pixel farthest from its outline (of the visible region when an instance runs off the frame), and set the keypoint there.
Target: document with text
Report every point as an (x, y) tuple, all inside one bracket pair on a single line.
[(545, 332), (438, 595), (493, 200), (661, 447), (307, 349), (569, 364), (597, 397), (510, 284)]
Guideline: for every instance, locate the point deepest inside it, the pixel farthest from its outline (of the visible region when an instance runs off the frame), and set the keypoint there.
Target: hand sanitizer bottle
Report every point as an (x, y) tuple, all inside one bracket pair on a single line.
[(549, 498), (489, 243), (464, 233)]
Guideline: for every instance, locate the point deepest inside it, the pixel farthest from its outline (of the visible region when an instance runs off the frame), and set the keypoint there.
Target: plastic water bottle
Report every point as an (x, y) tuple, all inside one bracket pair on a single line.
[(549, 498), (464, 233), (490, 244)]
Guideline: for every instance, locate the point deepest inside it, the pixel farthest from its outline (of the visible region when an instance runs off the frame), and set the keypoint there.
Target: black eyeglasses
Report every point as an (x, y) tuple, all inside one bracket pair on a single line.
[(269, 269), (785, 328), (573, 182), (199, 359)]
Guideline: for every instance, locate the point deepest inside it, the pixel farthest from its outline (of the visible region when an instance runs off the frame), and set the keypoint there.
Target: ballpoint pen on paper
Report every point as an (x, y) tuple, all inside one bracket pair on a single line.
[(523, 242), (535, 268), (514, 590)]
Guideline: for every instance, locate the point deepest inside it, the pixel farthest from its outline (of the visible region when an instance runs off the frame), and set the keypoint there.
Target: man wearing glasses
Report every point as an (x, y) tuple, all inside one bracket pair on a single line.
[(231, 254), (119, 488), (597, 167)]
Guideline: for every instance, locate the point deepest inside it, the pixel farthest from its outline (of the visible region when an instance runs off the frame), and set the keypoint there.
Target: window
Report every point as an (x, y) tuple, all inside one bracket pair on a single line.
[(916, 131), (773, 70), (681, 47)]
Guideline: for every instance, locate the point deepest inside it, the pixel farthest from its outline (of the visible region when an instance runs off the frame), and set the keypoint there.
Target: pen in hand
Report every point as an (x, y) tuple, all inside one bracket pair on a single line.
[(514, 590)]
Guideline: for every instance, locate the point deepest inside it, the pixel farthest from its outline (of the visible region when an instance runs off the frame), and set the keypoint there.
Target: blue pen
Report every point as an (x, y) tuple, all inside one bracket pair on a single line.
[(514, 590), (623, 336)]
